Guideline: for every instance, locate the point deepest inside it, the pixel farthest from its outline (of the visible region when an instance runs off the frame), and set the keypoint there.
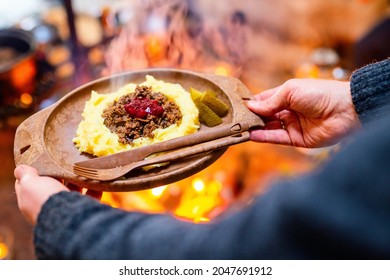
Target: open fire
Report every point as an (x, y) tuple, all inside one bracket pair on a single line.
[(173, 34)]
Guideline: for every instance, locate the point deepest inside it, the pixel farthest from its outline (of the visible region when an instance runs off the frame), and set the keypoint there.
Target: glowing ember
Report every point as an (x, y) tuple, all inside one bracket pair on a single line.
[(3, 251), (158, 192), (196, 203)]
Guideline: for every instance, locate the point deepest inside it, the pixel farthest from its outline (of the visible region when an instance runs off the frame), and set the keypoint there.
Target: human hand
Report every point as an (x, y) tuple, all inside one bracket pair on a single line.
[(306, 113), (32, 190)]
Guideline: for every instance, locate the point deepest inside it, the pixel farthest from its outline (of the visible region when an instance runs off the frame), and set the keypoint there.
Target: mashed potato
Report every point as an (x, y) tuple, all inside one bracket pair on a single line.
[(95, 138)]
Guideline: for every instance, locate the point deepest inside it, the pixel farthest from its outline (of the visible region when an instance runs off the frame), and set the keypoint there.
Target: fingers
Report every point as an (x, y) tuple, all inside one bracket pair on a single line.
[(270, 101), (27, 172), (269, 104), (33, 190), (23, 173), (276, 136), (28, 177), (266, 94)]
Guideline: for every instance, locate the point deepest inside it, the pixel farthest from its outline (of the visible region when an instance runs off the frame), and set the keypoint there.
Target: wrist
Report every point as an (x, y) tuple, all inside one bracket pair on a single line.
[(370, 91)]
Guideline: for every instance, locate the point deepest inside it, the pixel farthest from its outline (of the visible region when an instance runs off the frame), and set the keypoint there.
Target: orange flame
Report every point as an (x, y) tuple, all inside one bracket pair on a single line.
[(211, 49), (197, 203)]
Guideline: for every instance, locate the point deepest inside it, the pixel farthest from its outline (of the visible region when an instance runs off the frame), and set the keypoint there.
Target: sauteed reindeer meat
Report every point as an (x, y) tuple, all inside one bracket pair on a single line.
[(139, 113), (135, 115)]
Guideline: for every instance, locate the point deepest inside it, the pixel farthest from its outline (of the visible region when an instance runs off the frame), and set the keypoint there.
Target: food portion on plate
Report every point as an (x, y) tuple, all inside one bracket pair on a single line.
[(134, 116), (73, 130), (141, 114)]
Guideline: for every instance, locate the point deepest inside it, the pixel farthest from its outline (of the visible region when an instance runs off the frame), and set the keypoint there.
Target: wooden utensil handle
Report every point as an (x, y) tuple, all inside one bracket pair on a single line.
[(199, 149), (165, 146), (196, 138)]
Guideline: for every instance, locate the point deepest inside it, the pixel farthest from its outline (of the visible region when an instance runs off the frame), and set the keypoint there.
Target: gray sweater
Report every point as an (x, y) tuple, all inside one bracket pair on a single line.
[(340, 211)]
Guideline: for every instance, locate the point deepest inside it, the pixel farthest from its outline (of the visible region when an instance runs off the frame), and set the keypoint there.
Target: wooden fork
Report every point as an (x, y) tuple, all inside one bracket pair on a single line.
[(108, 174), (142, 153)]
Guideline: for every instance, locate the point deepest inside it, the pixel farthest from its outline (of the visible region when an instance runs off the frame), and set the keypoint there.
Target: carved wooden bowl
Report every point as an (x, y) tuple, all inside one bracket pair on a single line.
[(44, 140)]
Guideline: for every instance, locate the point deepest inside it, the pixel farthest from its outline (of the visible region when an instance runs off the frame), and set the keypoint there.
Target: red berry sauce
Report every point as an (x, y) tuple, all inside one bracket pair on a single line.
[(142, 107)]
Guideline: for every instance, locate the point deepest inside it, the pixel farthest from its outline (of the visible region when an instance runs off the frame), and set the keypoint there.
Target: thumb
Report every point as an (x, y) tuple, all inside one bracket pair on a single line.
[(24, 170), (270, 102)]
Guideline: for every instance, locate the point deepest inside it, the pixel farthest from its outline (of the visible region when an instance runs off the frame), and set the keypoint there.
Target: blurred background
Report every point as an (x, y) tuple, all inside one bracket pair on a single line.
[(50, 47)]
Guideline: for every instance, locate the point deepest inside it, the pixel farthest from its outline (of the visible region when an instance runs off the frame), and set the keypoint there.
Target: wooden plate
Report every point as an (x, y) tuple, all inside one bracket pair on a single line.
[(44, 140)]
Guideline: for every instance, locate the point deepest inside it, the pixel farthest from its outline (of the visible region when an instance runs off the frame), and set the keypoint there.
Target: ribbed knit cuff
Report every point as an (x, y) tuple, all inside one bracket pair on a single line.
[(370, 89)]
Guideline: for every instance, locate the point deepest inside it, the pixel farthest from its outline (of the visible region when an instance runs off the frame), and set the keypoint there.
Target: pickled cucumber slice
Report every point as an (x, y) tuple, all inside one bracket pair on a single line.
[(211, 92), (206, 115), (195, 94), (211, 109), (209, 99)]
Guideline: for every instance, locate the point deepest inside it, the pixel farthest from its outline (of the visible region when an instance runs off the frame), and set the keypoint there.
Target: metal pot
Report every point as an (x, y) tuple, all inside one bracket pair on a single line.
[(18, 67)]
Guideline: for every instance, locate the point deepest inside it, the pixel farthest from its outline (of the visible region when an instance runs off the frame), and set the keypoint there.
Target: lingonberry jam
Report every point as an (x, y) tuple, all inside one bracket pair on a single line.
[(142, 107), (139, 113)]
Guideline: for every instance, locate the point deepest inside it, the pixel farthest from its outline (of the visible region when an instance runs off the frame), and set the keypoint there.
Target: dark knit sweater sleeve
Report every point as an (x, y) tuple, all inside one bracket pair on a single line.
[(370, 89), (341, 211)]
